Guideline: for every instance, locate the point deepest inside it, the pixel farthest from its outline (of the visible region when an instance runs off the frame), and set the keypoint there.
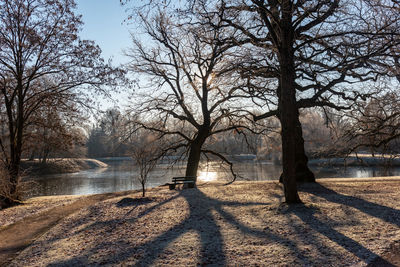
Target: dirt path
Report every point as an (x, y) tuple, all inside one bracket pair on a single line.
[(16, 237)]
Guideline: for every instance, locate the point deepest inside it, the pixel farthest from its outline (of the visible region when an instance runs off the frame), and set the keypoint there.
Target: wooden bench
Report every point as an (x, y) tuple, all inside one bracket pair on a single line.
[(190, 180)]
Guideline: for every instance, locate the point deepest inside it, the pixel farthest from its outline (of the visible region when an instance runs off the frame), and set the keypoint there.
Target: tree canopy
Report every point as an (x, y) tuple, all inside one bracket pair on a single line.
[(191, 91)]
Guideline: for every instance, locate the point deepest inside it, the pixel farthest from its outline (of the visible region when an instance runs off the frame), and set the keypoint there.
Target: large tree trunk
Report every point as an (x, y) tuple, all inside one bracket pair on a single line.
[(288, 111), (303, 173), (288, 144), (17, 148), (193, 160), (194, 154), (46, 152)]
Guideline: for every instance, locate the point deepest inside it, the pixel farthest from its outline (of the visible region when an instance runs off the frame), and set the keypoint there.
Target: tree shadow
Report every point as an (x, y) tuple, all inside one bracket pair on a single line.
[(110, 224), (203, 219), (129, 202), (307, 215), (384, 213)]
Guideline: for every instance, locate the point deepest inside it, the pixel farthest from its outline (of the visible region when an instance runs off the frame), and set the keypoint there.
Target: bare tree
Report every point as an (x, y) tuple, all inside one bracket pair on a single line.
[(302, 54), (375, 124), (42, 57), (191, 89), (323, 132), (53, 129), (106, 138), (144, 154), (306, 54)]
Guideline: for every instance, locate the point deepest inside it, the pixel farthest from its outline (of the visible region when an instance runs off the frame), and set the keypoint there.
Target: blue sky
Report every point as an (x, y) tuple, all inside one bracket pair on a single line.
[(104, 24)]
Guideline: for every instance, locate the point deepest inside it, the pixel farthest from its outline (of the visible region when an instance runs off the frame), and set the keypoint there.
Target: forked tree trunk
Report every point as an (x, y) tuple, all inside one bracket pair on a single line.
[(303, 172)]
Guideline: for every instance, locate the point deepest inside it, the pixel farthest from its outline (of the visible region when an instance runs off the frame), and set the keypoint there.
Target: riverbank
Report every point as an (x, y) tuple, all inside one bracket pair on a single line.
[(341, 223), (61, 165), (362, 160)]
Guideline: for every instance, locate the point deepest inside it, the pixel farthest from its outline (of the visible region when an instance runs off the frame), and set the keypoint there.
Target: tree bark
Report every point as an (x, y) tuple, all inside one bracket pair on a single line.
[(13, 179), (288, 114), (46, 152), (193, 160), (143, 190), (288, 111), (303, 172), (194, 154), (13, 171), (15, 139)]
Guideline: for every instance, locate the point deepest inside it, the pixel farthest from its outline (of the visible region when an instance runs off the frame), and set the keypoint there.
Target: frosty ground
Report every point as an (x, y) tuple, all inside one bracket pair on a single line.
[(342, 222)]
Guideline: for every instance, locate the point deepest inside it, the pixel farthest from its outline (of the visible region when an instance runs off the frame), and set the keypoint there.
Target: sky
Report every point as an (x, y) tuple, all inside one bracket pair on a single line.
[(104, 24)]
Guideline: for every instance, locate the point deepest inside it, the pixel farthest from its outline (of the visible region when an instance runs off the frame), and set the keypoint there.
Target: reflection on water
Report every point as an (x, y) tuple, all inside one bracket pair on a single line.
[(207, 176), (121, 176)]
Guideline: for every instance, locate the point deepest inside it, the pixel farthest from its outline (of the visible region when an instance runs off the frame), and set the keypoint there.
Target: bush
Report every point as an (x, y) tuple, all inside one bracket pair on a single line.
[(7, 198)]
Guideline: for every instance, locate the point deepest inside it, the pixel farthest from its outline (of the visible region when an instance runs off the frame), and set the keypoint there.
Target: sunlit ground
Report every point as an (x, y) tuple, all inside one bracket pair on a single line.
[(243, 224), (207, 176)]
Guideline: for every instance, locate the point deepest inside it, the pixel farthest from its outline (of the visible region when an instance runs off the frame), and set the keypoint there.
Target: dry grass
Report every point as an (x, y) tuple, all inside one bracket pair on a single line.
[(341, 224), (32, 206)]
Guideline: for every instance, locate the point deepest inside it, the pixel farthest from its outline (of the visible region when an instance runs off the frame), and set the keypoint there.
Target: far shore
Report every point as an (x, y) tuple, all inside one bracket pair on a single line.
[(61, 165), (70, 165), (358, 160)]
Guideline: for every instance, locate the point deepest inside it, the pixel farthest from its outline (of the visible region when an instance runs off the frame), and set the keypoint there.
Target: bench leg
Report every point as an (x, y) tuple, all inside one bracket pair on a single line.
[(171, 186)]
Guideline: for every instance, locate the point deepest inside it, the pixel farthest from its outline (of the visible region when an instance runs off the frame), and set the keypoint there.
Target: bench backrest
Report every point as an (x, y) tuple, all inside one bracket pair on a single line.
[(184, 178)]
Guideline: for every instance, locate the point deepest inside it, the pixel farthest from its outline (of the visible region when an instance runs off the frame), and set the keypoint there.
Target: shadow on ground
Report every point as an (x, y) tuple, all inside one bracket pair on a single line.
[(381, 212), (202, 220)]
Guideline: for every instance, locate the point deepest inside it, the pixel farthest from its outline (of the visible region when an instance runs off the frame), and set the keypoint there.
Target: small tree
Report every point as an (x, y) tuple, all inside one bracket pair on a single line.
[(144, 156)]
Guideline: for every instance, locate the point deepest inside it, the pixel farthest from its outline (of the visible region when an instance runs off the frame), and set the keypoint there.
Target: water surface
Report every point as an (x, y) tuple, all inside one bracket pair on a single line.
[(121, 175)]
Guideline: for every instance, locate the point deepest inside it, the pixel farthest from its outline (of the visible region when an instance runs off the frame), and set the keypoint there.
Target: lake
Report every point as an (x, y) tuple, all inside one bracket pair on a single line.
[(120, 176)]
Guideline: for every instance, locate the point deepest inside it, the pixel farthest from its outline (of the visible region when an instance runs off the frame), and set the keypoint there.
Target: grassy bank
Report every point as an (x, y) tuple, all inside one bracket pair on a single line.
[(67, 165), (341, 223)]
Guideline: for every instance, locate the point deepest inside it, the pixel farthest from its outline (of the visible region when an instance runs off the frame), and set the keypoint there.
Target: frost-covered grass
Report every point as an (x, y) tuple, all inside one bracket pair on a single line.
[(341, 223), (33, 206)]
